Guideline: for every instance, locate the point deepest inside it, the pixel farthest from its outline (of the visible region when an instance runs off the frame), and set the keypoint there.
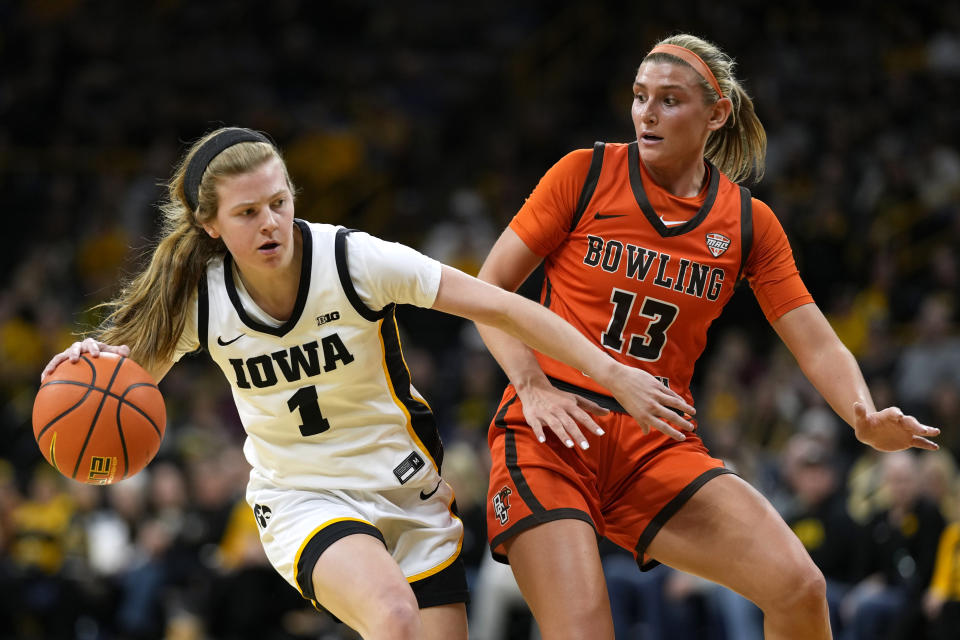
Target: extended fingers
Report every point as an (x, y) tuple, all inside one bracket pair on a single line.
[(923, 443), (919, 429)]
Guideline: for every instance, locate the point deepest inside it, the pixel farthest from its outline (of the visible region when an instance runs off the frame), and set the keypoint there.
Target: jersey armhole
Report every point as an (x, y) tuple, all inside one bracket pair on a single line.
[(590, 184), (203, 312), (746, 230), (340, 253)]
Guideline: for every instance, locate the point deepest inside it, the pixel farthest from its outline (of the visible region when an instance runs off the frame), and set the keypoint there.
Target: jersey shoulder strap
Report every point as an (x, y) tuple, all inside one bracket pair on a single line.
[(346, 282), (590, 184), (746, 229)]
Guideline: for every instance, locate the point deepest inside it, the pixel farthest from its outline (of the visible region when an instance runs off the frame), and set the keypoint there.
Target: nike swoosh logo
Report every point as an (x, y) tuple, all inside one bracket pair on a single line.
[(223, 344), (424, 496), (607, 216)]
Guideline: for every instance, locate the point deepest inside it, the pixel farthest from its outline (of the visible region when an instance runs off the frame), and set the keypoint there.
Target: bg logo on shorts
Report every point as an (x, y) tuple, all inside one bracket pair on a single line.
[(262, 513), (501, 504)]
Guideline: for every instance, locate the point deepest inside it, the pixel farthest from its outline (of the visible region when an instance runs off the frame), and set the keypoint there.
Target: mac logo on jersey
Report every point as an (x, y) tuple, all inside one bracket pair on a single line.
[(328, 317), (717, 243)]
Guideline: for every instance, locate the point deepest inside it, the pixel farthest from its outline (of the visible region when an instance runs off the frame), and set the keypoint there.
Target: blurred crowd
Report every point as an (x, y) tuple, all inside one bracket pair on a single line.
[(428, 123)]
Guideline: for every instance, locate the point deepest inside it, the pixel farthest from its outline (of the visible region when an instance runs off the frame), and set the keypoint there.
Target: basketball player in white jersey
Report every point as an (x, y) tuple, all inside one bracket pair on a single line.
[(345, 482)]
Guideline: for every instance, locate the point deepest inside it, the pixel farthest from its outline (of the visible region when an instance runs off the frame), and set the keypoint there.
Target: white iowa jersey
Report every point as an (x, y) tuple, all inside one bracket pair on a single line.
[(326, 397)]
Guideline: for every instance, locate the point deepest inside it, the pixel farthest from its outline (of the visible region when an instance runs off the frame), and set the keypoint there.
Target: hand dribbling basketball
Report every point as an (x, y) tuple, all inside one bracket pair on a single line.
[(98, 417)]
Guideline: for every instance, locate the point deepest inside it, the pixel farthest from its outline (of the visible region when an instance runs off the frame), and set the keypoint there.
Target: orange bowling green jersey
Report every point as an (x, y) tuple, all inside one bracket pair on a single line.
[(643, 273)]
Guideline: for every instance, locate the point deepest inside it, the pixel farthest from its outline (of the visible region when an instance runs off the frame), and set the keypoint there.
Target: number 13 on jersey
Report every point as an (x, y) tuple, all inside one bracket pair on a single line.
[(648, 345)]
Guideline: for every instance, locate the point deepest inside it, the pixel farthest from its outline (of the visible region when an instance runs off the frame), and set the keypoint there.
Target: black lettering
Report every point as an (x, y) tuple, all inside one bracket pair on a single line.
[(333, 350), (309, 363), (611, 256), (639, 261), (716, 283), (684, 263), (241, 376), (660, 279), (698, 280), (594, 250), (261, 371)]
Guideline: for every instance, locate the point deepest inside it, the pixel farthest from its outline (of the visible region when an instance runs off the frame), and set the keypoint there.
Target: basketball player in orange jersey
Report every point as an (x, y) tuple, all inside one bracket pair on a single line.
[(642, 244)]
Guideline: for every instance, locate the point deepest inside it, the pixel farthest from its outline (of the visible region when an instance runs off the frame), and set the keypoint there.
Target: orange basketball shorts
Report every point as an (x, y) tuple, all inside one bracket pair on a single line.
[(626, 485)]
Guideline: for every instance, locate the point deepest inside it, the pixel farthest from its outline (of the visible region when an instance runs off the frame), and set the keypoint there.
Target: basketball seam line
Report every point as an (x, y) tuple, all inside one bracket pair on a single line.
[(120, 398), (93, 423), (93, 372)]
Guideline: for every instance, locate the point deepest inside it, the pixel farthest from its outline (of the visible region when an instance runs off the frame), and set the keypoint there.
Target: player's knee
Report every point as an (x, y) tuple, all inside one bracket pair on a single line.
[(395, 616), (800, 590)]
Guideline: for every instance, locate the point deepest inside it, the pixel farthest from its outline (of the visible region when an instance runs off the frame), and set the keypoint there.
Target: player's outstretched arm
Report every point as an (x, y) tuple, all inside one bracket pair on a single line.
[(95, 348), (833, 370), (642, 395)]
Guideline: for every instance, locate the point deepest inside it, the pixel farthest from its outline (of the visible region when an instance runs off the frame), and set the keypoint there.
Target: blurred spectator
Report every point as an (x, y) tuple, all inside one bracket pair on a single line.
[(941, 602), (932, 359), (818, 515), (896, 557)]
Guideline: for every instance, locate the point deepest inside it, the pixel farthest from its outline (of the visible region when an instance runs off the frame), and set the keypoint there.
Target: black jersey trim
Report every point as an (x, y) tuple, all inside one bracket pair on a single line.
[(607, 402), (421, 416), (203, 312), (533, 520), (746, 229), (636, 184), (669, 510), (589, 184), (346, 282), (320, 542), (448, 586), (513, 465), (303, 289)]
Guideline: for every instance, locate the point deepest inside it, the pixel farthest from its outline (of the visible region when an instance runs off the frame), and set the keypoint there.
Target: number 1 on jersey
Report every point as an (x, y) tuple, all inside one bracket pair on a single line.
[(648, 345), (305, 400)]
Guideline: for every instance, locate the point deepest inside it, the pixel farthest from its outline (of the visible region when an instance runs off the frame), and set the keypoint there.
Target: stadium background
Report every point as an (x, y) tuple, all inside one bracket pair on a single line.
[(429, 123)]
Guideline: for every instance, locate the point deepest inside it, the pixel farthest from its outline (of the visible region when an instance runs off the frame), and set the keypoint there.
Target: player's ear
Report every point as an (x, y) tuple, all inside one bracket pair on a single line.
[(211, 229), (719, 113)]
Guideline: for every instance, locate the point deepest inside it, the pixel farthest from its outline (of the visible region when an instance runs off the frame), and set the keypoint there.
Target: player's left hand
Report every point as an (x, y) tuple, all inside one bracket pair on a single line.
[(891, 430)]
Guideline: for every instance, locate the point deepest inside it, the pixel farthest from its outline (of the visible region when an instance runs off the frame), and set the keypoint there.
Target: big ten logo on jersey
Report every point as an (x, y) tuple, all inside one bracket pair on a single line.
[(328, 317), (501, 504), (686, 276), (262, 513), (293, 363)]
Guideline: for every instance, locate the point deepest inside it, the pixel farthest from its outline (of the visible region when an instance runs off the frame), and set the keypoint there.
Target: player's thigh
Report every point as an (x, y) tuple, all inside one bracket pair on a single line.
[(445, 622), (727, 532), (557, 566), (357, 580)]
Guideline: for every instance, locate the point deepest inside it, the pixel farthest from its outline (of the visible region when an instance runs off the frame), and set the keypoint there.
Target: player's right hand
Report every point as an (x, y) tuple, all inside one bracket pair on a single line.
[(546, 407), (72, 353)]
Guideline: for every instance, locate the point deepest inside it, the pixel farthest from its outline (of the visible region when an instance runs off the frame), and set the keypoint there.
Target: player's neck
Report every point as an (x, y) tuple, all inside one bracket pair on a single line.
[(683, 179), (275, 290)]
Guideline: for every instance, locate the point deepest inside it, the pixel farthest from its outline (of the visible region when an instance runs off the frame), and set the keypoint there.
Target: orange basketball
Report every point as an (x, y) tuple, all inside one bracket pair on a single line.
[(99, 420)]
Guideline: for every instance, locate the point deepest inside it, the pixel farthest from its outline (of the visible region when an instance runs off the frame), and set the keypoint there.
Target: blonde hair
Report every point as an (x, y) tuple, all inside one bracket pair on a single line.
[(151, 309), (739, 148)]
